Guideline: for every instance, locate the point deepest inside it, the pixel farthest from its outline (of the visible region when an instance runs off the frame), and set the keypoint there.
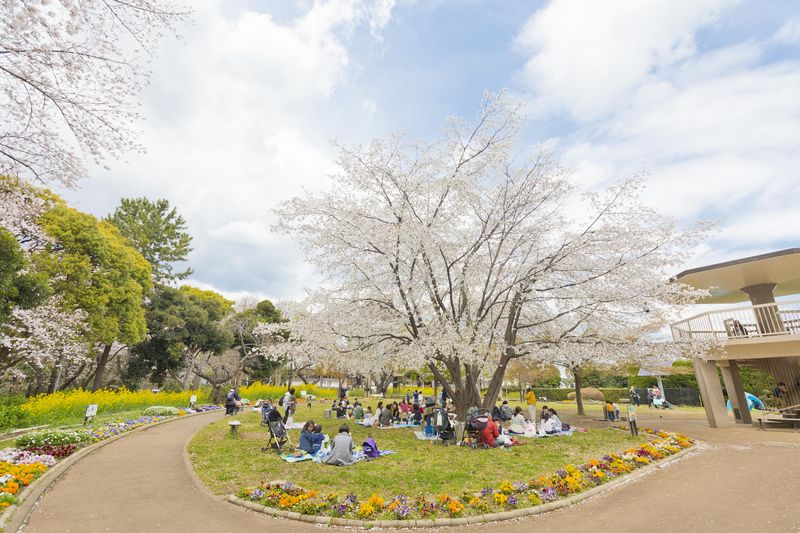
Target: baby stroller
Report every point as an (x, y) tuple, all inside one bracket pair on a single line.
[(445, 431), (278, 436), (661, 403), (476, 421)]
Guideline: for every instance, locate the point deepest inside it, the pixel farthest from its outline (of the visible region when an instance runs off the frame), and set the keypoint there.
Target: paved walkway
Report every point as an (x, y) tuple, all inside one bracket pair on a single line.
[(745, 480)]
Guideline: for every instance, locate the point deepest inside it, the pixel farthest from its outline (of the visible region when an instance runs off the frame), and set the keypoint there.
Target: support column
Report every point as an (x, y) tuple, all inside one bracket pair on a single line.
[(736, 394), (711, 391), (767, 317)]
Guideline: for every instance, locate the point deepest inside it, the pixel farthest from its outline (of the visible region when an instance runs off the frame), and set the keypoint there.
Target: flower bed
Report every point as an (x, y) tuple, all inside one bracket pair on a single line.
[(13, 477), (161, 410), (54, 437), (570, 480)]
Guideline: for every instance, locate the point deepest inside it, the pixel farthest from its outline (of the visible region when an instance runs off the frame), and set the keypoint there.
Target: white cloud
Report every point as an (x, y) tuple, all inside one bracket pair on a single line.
[(716, 128), (789, 32), (235, 123), (587, 57)]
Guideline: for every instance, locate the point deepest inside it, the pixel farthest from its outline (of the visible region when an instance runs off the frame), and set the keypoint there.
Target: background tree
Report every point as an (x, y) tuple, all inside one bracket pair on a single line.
[(18, 285), (182, 324), (157, 232), (91, 265), (67, 66)]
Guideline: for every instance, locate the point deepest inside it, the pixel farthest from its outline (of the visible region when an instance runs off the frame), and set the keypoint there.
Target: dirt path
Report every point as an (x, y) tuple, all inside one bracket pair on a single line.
[(745, 480)]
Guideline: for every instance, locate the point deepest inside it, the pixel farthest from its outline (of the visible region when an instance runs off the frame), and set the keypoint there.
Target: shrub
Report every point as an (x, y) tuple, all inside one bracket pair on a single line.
[(552, 395), (53, 437), (161, 410), (357, 393), (589, 393), (11, 416)]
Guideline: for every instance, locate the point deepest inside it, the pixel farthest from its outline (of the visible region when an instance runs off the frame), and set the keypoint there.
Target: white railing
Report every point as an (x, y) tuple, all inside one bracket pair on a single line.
[(766, 320)]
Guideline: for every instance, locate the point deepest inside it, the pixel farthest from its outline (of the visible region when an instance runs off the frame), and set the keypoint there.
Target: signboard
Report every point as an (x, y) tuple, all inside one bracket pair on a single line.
[(631, 414), (192, 399), (91, 412)]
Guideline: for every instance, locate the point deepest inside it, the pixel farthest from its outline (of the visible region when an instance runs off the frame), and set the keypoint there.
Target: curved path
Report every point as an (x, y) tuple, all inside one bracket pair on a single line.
[(744, 480)]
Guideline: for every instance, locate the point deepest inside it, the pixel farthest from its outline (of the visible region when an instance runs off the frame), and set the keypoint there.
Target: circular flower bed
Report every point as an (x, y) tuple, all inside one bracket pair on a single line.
[(570, 480)]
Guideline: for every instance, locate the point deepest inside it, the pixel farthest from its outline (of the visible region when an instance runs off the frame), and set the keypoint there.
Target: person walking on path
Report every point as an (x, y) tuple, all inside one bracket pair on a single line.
[(530, 399)]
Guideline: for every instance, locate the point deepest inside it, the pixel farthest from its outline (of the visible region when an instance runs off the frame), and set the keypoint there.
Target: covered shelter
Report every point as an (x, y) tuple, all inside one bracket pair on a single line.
[(764, 334)]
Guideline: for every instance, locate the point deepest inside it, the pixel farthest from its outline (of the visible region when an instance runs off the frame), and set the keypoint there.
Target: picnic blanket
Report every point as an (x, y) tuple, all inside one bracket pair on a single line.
[(402, 425), (529, 435), (295, 425), (422, 436), (358, 455)]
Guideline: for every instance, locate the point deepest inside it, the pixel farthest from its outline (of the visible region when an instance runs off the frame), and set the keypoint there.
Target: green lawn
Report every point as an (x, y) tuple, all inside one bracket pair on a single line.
[(419, 467)]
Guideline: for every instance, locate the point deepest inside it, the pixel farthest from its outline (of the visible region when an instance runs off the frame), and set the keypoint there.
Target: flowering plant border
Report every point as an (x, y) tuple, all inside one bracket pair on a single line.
[(507, 500)]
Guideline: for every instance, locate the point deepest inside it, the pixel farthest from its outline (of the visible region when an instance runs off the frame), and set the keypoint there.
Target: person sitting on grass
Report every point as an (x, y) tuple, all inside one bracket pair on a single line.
[(305, 437), (341, 448), (492, 437), (358, 411), (385, 420), (555, 422), (506, 413), (317, 438), (517, 422), (378, 413), (395, 412)]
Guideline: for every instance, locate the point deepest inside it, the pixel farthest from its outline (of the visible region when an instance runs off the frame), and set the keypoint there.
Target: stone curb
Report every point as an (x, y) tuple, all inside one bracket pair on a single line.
[(15, 515), (475, 519)]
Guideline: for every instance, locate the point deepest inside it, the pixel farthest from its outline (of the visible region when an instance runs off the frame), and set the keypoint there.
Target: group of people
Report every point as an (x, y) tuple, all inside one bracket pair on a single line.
[(501, 429)]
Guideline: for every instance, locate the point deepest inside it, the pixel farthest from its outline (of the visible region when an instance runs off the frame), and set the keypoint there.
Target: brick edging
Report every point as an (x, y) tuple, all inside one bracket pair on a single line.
[(15, 515), (476, 519)]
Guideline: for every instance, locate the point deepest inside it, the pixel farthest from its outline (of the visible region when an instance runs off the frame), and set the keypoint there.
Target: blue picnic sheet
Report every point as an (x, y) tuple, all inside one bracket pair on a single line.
[(320, 456)]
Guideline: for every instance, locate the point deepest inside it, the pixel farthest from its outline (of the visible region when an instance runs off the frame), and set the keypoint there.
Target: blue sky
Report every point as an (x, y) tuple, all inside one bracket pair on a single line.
[(701, 94)]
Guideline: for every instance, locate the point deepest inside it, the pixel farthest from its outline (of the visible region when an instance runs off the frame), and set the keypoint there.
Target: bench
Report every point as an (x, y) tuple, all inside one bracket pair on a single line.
[(778, 421)]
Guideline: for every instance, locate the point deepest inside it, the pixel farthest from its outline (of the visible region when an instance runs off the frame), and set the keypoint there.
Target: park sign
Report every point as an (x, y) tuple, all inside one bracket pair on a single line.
[(91, 412), (192, 400)]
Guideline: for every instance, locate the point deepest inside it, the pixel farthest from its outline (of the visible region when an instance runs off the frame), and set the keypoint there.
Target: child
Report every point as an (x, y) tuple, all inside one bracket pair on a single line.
[(610, 410)]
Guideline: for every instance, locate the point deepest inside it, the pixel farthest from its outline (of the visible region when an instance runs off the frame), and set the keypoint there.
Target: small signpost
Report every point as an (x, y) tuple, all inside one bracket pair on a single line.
[(632, 420), (192, 400), (91, 412)]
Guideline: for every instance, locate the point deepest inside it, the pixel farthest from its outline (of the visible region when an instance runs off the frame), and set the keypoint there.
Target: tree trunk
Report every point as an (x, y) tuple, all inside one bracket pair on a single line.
[(51, 386), (216, 393), (578, 397), (101, 368)]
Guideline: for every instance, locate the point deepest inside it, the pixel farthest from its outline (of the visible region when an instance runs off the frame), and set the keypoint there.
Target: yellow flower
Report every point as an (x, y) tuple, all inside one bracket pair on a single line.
[(366, 509), (506, 487), (376, 501), (455, 507), (500, 498)]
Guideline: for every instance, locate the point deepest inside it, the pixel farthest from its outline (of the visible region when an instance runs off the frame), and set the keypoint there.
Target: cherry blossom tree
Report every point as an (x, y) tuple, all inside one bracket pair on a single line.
[(469, 260), (41, 337), (69, 74)]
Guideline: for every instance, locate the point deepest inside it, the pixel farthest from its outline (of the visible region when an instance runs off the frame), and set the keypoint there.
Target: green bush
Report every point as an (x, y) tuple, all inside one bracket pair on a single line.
[(357, 393), (11, 416), (614, 394), (53, 437), (552, 394), (587, 394), (161, 410)]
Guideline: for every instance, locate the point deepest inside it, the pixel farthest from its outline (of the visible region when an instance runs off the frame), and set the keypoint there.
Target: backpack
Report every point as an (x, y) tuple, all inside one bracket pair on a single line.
[(371, 448), (230, 397)]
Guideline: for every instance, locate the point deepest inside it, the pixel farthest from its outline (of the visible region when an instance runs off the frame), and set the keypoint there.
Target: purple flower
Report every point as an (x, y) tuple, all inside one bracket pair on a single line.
[(351, 499), (607, 458), (562, 473), (256, 494), (486, 491), (548, 494), (520, 486), (512, 501)]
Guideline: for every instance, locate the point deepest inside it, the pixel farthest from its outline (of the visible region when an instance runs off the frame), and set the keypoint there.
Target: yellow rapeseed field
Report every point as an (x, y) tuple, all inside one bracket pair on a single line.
[(64, 405)]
